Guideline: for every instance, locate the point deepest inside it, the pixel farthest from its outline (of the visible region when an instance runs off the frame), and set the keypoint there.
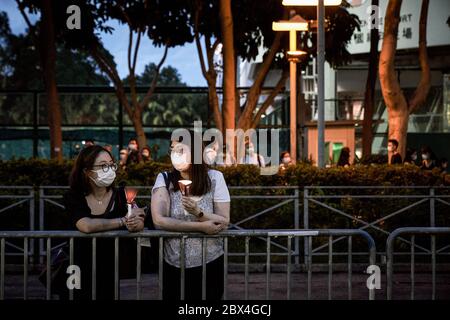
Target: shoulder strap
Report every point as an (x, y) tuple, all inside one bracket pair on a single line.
[(166, 179), (259, 159)]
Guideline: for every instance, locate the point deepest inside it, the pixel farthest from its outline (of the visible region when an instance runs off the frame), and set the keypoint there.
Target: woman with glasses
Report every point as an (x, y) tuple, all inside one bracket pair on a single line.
[(95, 205), (205, 209)]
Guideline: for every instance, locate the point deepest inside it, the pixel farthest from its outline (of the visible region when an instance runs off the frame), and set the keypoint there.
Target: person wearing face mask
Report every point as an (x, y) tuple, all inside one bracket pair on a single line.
[(146, 154), (395, 156), (123, 156), (428, 159), (285, 160), (94, 204), (410, 157), (251, 157), (134, 156), (208, 212)]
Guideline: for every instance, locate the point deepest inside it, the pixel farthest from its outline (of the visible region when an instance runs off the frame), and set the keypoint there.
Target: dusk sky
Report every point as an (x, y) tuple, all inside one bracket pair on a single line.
[(185, 59)]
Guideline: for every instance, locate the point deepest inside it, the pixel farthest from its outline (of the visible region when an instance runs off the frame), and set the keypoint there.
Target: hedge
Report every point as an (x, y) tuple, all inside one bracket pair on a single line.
[(47, 172)]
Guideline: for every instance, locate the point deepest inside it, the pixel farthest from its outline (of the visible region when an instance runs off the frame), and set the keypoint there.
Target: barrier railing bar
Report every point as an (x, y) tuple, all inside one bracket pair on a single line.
[(247, 243), (268, 256), (432, 231), (25, 268), (349, 268), (413, 240)]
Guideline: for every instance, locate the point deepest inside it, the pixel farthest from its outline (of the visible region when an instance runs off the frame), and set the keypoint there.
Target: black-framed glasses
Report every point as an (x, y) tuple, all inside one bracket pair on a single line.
[(106, 166)]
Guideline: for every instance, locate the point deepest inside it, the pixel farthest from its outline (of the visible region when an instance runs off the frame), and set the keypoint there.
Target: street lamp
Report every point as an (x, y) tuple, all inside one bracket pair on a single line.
[(320, 68), (296, 23)]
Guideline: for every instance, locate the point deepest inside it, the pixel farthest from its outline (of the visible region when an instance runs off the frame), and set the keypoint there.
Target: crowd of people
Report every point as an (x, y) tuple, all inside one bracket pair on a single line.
[(428, 159), (133, 154)]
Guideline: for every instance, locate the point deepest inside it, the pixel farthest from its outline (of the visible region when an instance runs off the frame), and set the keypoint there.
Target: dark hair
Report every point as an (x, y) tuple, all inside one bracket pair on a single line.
[(283, 154), (427, 149), (78, 180), (408, 155), (133, 139), (394, 142), (198, 173), (344, 157), (147, 148)]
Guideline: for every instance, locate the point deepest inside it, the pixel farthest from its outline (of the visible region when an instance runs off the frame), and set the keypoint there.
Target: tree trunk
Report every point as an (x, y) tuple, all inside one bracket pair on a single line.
[(139, 129), (48, 61), (421, 92), (369, 95), (394, 99), (398, 128), (229, 65), (398, 108), (214, 106)]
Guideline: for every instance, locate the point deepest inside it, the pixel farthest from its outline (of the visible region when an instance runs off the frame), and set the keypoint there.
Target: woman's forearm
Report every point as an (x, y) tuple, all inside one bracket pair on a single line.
[(171, 224), (88, 225), (214, 217)]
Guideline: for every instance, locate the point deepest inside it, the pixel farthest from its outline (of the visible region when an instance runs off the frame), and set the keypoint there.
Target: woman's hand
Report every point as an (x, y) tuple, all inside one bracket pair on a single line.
[(211, 227), (135, 222), (190, 206)]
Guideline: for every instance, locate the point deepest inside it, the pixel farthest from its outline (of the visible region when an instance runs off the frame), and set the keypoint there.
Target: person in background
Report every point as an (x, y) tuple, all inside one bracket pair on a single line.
[(211, 155), (123, 156), (134, 156), (146, 154), (444, 165), (286, 160), (251, 157), (225, 158), (89, 143), (108, 147), (396, 158), (428, 158), (210, 213), (344, 158), (411, 156)]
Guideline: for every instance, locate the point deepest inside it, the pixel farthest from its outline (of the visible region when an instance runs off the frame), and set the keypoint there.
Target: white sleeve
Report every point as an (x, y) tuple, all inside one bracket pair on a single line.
[(221, 193), (159, 182)]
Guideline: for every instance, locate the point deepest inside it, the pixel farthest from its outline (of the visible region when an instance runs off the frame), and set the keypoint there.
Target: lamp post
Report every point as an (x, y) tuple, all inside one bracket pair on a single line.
[(320, 68), (293, 25)]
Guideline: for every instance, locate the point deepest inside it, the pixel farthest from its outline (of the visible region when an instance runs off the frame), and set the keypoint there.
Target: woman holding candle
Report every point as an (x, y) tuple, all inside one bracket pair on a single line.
[(95, 205), (205, 207)]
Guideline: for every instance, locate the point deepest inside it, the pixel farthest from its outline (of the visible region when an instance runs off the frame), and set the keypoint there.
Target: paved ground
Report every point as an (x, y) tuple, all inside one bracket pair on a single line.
[(257, 286)]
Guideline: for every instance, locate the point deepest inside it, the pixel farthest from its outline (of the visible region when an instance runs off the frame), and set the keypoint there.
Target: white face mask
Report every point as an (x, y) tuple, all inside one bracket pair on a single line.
[(132, 146), (180, 162), (286, 160), (414, 157), (210, 156), (424, 156), (251, 150), (104, 179)]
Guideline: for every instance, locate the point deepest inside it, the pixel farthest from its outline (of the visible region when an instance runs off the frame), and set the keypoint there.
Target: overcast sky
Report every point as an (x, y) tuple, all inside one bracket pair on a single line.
[(184, 58)]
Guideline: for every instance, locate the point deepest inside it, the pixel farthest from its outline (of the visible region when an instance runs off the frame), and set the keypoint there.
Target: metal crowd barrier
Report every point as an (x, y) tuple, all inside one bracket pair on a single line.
[(319, 199), (46, 198), (413, 232), (48, 236), (19, 199)]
